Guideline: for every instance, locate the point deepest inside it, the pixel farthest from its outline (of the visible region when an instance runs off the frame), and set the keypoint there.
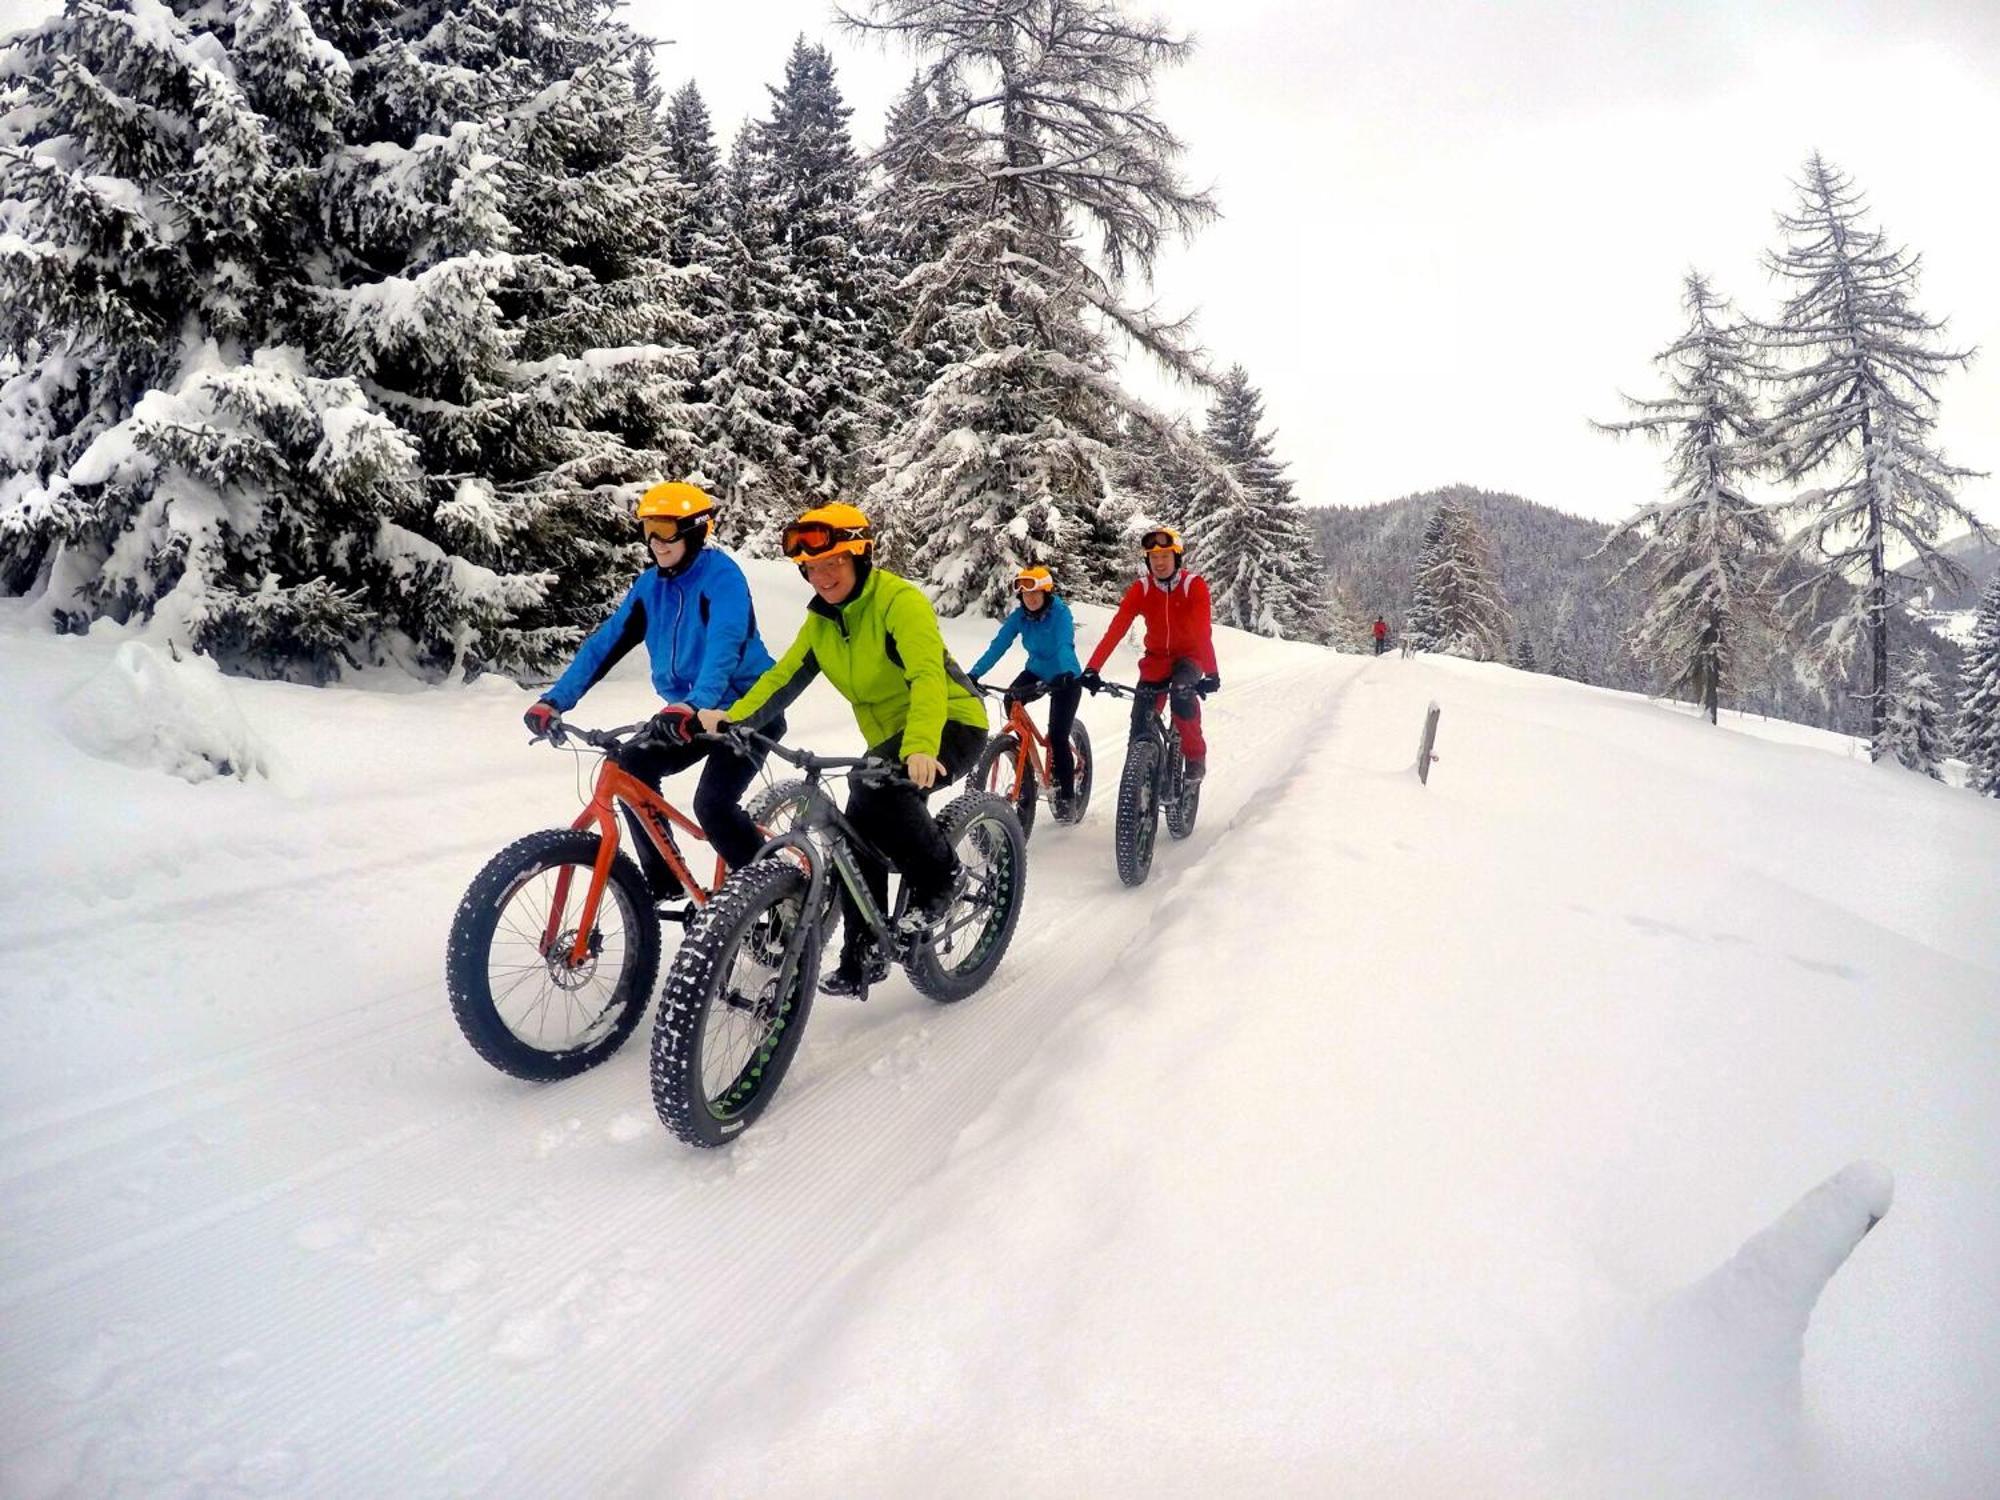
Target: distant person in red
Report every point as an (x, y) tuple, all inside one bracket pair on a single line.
[(1381, 634), (1180, 652)]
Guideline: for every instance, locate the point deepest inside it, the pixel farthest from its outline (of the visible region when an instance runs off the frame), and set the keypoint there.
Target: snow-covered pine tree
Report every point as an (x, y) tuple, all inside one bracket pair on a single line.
[(697, 237), (646, 87), (909, 217), (1857, 400), (1251, 541), (170, 454), (748, 403), (1524, 654), (499, 281), (1009, 459), (1455, 604), (1913, 729), (1706, 549), (1979, 697), (827, 325)]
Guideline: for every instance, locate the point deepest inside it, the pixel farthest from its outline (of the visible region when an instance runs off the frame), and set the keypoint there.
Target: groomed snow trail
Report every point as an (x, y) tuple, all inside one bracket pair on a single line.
[(341, 1256)]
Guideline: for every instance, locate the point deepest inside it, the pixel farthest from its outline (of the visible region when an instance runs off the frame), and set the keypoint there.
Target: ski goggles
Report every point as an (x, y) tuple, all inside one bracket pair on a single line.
[(1160, 541), (804, 541), (1033, 581), (671, 528)]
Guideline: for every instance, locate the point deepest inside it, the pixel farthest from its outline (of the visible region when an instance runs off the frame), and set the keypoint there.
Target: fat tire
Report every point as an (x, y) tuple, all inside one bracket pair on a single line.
[(1180, 812), (774, 808), (1086, 772), (926, 974), (467, 951), (1138, 811), (679, 1095), (1000, 753)]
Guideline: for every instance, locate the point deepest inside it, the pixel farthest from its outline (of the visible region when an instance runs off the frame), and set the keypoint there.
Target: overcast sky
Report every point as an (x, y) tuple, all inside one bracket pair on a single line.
[(1452, 230)]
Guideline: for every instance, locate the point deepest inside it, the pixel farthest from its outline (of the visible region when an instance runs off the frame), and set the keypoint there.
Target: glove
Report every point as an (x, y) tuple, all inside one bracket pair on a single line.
[(1091, 680), (541, 718), (674, 724), (1212, 683)]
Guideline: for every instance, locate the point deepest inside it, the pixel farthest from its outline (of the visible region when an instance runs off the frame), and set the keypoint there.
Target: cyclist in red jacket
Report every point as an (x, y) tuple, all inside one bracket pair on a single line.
[(1180, 651)]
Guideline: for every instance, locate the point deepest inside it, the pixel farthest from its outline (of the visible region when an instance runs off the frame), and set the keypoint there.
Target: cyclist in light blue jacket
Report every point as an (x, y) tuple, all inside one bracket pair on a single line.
[(1042, 623), (692, 608)]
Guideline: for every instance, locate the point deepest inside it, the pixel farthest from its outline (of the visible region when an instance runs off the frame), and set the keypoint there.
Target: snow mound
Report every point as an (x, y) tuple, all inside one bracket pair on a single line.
[(1709, 1392), (155, 711)]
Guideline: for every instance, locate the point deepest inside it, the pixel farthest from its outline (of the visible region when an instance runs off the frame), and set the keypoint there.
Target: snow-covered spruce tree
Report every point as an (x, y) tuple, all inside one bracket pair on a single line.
[(170, 455), (1913, 729), (746, 426), (1524, 654), (1707, 547), (1857, 403), (826, 319), (697, 237), (1254, 545), (1979, 698), (1009, 458), (910, 216), (1455, 601), (498, 279)]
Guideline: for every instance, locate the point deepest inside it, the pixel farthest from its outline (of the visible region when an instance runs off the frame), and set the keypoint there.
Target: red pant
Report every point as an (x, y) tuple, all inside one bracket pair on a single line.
[(1182, 675)]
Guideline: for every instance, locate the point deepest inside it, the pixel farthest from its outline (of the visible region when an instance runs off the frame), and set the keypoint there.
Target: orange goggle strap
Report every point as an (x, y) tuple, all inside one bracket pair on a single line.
[(809, 539)]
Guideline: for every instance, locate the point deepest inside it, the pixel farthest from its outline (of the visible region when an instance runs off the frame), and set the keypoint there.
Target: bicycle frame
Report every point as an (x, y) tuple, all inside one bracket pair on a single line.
[(655, 815), (1032, 745)]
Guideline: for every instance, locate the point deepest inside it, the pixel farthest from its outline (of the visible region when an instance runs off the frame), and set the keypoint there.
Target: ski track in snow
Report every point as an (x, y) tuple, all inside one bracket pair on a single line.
[(181, 1251)]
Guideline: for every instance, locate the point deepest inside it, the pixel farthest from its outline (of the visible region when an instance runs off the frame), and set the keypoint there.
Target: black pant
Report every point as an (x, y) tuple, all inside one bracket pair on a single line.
[(718, 797), (1063, 699), (1381, 641), (895, 820)]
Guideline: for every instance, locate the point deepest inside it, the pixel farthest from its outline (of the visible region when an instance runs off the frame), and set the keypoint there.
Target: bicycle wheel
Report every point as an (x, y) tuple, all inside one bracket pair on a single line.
[(734, 1007), (1138, 810), (1086, 772), (522, 1004), (967, 946), (1000, 770), (777, 808), (1179, 798)]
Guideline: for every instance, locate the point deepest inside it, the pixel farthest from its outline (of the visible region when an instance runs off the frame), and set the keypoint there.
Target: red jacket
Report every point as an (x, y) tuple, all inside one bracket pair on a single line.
[(1380, 629), (1177, 623)]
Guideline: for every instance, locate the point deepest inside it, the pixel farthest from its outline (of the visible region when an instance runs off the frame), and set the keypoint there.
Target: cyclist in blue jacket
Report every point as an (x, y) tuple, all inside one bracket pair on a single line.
[(692, 608), (1043, 624)]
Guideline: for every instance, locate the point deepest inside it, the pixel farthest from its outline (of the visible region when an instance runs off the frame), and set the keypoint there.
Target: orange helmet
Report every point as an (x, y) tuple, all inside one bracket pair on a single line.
[(1161, 537), (1034, 580), (825, 531), (672, 510)]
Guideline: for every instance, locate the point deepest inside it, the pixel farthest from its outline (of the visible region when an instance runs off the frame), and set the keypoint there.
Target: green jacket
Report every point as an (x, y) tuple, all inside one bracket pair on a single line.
[(882, 651)]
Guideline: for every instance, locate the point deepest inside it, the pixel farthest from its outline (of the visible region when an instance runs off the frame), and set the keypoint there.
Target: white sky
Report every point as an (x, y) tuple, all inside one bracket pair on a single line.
[(1453, 230)]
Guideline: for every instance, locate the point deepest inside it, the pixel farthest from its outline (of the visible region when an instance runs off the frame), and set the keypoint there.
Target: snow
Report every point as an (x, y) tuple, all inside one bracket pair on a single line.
[(1392, 1140), (171, 713)]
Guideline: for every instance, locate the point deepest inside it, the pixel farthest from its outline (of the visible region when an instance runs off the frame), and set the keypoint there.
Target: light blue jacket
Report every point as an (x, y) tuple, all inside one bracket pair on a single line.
[(1049, 634)]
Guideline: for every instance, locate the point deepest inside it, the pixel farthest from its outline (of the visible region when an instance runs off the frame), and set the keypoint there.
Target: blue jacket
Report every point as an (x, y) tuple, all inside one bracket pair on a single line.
[(699, 628), (1049, 635)]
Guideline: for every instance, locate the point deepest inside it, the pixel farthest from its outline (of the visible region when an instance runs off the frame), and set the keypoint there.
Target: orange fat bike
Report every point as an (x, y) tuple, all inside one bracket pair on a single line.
[(556, 945), (1015, 764)]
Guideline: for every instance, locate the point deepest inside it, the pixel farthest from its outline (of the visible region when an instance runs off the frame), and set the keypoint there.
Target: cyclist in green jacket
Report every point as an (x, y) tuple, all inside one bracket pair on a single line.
[(875, 638)]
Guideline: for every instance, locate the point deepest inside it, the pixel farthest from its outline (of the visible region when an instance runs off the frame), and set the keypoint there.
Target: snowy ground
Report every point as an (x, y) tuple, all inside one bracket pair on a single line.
[(1360, 1152)]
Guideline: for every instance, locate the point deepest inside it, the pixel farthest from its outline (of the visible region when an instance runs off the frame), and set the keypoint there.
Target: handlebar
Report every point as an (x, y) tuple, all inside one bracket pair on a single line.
[(1120, 690), (865, 768)]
